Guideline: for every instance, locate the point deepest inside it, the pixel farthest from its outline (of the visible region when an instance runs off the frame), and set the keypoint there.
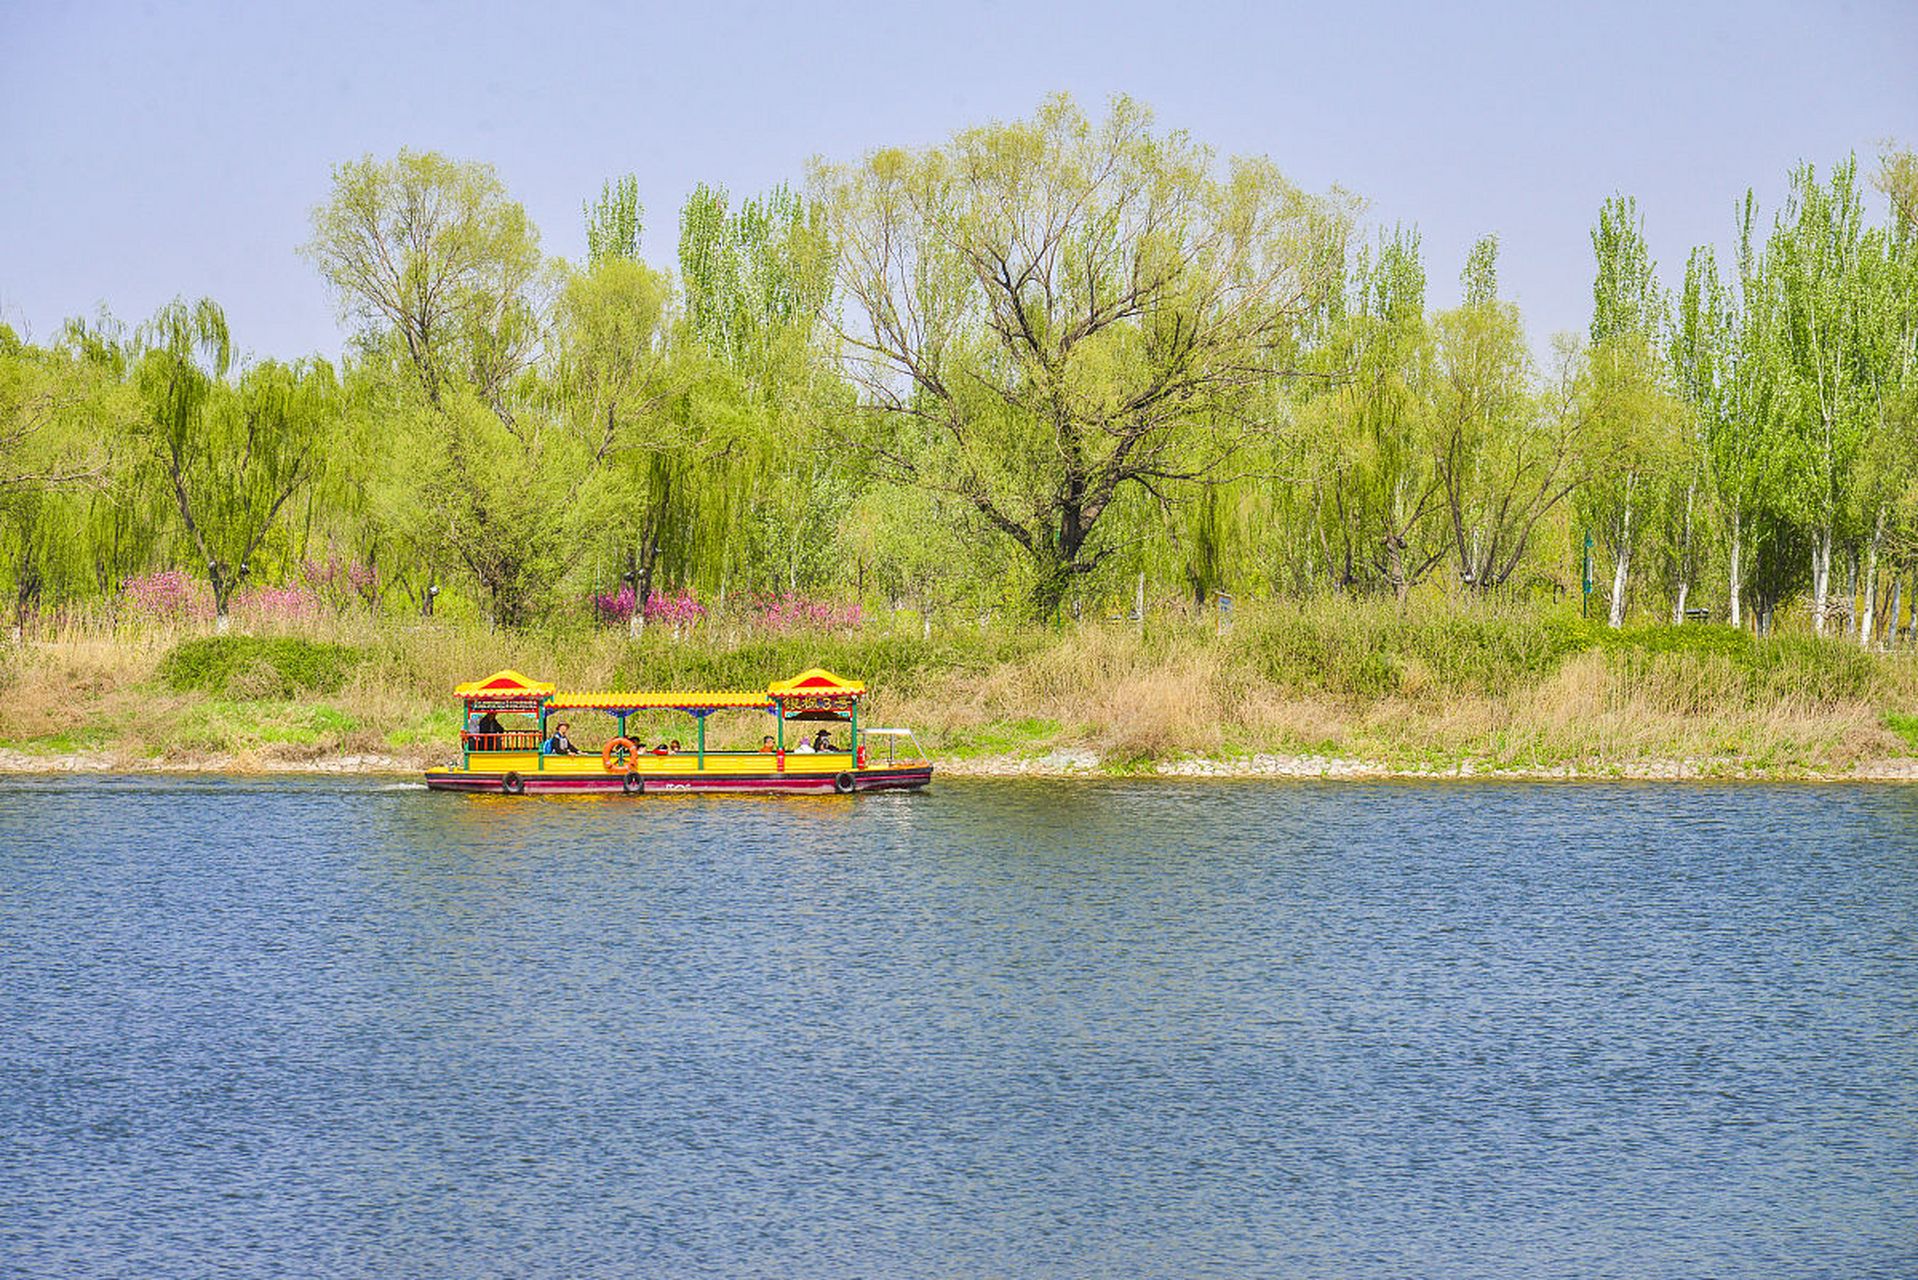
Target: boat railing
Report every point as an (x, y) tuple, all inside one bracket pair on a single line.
[(900, 744), (510, 740)]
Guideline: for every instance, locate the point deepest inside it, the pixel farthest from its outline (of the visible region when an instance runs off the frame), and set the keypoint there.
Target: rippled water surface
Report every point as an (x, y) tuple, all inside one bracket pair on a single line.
[(315, 1028)]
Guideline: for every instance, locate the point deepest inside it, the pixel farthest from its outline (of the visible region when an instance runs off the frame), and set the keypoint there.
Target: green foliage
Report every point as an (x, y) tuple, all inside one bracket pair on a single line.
[(258, 667), (232, 454), (431, 255), (1370, 652), (1906, 727), (1051, 316), (613, 223), (1041, 366)]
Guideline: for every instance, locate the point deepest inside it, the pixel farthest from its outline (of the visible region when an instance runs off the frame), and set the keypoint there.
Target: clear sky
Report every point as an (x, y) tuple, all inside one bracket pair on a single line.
[(154, 150)]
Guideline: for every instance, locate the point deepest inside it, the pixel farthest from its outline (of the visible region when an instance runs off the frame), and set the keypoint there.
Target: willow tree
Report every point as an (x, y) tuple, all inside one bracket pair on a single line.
[(612, 378), (58, 422), (231, 453), (1046, 314), (1504, 457), (756, 278), (1376, 476), (432, 253), (442, 271)]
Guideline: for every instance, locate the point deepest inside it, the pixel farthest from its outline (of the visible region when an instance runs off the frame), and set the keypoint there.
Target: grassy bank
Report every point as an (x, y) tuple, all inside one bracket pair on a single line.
[(1425, 689)]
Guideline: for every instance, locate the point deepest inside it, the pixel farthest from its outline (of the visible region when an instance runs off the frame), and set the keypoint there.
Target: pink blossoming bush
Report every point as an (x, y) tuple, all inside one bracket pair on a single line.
[(790, 611), (680, 610), (616, 608), (341, 582), (168, 596), (277, 605)]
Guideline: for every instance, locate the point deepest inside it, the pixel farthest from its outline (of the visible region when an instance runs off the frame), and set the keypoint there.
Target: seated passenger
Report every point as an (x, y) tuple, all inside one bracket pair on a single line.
[(804, 747), (662, 750), (766, 746), (675, 748), (822, 741), (489, 723), (561, 743)]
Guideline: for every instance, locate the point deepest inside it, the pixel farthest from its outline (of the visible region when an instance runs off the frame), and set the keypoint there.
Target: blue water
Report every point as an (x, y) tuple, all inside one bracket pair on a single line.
[(1152, 1029)]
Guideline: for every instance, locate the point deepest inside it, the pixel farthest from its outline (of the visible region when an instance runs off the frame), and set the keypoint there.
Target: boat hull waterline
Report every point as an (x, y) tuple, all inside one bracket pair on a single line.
[(867, 779)]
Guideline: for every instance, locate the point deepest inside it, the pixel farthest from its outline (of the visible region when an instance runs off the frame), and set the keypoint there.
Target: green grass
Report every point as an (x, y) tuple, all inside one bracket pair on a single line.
[(1425, 686), (1905, 726), (91, 737), (436, 728), (223, 725), (1004, 737), (257, 667)]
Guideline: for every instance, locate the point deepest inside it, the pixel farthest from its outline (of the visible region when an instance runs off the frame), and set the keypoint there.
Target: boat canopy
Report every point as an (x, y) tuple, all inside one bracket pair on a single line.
[(806, 694), (505, 684), (661, 700)]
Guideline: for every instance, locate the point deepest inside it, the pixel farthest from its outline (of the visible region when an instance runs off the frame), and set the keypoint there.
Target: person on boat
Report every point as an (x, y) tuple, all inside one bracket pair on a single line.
[(489, 724), (766, 746), (561, 743), (675, 748), (805, 747), (662, 750), (822, 741)]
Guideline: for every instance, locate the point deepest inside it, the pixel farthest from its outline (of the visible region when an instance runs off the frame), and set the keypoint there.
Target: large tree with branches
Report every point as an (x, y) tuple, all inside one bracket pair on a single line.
[(1047, 314)]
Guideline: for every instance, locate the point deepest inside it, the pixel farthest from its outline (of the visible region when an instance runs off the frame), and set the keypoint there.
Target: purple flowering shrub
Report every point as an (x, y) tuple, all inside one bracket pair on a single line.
[(614, 608)]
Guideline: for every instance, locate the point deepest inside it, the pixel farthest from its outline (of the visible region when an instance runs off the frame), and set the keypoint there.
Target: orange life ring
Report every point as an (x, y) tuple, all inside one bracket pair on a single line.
[(626, 749)]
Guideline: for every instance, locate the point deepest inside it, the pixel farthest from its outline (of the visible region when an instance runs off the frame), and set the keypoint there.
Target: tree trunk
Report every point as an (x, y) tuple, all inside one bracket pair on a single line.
[(1867, 624), (1684, 559), (1849, 609), (1622, 559), (1820, 580), (1891, 614), (1737, 569)]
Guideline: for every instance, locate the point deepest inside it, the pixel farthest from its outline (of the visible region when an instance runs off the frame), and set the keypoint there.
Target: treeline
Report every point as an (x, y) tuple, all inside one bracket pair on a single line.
[(1026, 370)]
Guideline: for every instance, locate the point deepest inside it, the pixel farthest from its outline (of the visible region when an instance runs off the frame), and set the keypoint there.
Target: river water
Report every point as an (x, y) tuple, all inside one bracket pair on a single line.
[(325, 1028)]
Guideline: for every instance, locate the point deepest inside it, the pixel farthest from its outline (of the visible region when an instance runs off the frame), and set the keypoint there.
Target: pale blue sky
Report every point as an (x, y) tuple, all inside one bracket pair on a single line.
[(154, 150)]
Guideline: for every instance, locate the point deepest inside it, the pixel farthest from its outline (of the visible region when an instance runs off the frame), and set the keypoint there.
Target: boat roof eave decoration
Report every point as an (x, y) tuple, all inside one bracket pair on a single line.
[(817, 680), (505, 684), (663, 700)]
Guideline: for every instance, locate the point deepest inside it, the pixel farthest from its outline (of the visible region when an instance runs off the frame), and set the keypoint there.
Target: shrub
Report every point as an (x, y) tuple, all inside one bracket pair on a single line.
[(681, 610), (169, 596), (255, 667), (277, 605), (790, 611), (614, 608)]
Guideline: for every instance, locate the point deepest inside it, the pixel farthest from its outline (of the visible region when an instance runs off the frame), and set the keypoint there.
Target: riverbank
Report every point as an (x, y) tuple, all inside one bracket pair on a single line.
[(1320, 690), (1060, 764)]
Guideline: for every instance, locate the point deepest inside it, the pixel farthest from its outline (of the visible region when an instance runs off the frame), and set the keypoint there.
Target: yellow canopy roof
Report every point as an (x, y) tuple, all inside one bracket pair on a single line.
[(661, 699), (817, 680), (504, 684), (815, 683)]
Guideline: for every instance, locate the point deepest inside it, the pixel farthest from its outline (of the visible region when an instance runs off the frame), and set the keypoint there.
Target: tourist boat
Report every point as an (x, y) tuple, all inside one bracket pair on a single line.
[(509, 721)]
